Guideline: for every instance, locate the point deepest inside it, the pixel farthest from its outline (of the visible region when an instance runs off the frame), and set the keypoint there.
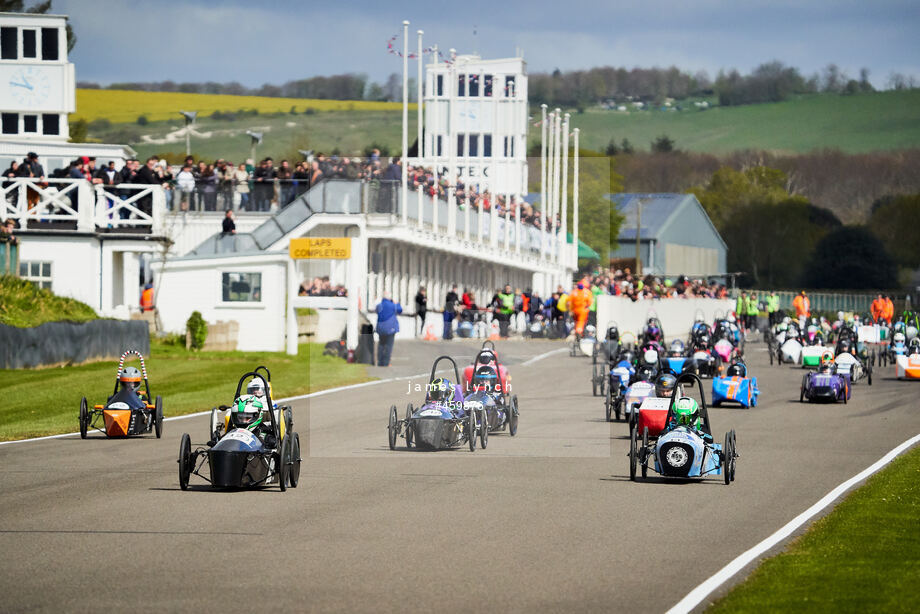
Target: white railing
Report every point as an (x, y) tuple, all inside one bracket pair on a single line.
[(76, 204)]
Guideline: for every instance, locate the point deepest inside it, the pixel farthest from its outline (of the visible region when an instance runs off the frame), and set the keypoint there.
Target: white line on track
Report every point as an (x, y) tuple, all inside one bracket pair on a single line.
[(544, 355), (696, 596), (318, 393)]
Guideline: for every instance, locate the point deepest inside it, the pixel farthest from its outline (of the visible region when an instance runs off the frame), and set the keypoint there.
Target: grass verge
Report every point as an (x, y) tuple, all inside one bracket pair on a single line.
[(47, 401), (23, 304), (862, 557)]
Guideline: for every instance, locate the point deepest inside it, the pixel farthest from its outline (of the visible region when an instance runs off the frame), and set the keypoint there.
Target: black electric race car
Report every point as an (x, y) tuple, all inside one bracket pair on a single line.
[(257, 448)]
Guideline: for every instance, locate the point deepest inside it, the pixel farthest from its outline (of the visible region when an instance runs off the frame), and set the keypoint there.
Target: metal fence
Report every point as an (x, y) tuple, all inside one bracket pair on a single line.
[(832, 302)]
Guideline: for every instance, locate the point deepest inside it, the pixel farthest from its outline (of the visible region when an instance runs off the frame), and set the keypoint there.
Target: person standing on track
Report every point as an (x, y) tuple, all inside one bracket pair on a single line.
[(772, 308), (504, 309), (753, 309), (741, 307), (421, 308), (387, 327), (579, 303), (802, 306)]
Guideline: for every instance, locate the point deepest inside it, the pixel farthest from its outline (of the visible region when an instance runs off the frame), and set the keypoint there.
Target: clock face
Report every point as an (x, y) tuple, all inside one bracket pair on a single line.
[(29, 86)]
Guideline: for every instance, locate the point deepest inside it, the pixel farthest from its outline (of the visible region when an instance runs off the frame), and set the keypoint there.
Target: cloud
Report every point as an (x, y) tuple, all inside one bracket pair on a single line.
[(256, 43)]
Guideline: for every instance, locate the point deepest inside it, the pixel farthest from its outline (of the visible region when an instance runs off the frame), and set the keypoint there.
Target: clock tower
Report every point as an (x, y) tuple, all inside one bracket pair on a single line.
[(37, 86)]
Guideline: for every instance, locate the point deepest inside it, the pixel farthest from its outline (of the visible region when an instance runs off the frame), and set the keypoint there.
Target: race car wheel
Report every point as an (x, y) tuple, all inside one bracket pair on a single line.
[(644, 451), (471, 429), (158, 425), (734, 452), (869, 375), (727, 457), (633, 460), (513, 416), (282, 458), (185, 460), (408, 426), (594, 378), (608, 405), (294, 474), (846, 393), (483, 429), (84, 418), (392, 428), (618, 406)]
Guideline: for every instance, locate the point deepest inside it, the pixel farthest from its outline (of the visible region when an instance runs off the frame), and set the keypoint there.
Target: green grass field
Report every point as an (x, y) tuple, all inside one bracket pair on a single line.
[(47, 401), (862, 557), (858, 123)]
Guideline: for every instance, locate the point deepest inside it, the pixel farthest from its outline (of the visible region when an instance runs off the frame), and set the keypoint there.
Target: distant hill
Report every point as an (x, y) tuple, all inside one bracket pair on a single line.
[(855, 124)]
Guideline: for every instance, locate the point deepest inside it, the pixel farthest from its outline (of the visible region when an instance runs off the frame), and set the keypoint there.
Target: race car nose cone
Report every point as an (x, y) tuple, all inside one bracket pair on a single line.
[(677, 457)]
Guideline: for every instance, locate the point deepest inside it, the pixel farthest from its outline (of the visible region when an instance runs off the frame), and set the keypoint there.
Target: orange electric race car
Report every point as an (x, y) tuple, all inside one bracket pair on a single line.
[(128, 411)]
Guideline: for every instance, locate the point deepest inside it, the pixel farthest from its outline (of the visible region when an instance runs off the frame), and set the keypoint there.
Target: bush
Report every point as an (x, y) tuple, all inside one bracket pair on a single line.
[(142, 120), (197, 330), (851, 258)]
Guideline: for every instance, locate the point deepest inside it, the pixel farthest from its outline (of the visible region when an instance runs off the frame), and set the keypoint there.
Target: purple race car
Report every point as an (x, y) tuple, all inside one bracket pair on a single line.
[(829, 387)]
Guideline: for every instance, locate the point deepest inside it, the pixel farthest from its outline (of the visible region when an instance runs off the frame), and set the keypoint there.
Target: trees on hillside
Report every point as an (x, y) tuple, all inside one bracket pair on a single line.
[(850, 258), (896, 222)]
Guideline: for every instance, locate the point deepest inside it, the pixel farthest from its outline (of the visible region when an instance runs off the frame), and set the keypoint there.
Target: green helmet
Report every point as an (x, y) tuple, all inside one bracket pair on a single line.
[(687, 411), (246, 412)]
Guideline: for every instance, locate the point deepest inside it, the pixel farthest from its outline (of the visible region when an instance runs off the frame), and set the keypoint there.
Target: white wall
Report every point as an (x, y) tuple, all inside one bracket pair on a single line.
[(190, 285), (190, 230), (676, 314)]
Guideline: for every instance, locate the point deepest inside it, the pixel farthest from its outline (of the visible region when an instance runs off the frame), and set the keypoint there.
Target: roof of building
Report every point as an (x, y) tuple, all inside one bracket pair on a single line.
[(657, 211)]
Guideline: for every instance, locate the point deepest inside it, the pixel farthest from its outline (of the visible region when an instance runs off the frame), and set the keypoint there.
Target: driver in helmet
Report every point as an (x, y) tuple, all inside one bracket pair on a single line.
[(130, 379), (677, 348), (248, 412), (664, 385), (613, 333), (736, 369), (826, 363), (914, 346), (441, 391), (686, 412), (256, 388), (899, 339)]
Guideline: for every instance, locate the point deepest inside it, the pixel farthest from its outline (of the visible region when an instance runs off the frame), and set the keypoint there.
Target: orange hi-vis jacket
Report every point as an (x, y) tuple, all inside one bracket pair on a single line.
[(802, 306), (580, 300), (878, 309), (147, 300)]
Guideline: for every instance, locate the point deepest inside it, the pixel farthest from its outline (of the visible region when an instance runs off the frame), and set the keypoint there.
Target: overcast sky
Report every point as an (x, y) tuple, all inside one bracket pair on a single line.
[(273, 42)]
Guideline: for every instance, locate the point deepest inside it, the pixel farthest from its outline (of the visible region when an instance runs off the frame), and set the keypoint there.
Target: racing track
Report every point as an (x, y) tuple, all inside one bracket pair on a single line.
[(545, 521)]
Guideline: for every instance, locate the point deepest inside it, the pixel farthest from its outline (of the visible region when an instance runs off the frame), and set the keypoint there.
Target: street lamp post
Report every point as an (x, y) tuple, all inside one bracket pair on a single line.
[(255, 139), (189, 120)]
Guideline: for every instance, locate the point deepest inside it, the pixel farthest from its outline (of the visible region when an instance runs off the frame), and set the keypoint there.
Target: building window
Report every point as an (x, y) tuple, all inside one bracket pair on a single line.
[(460, 139), (487, 145), (51, 124), (10, 122), (474, 85), (438, 146), (241, 287), (9, 42), (29, 48), (509, 146), (39, 273), (440, 85), (509, 87), (487, 86), (474, 145), (50, 44), (461, 85), (30, 123)]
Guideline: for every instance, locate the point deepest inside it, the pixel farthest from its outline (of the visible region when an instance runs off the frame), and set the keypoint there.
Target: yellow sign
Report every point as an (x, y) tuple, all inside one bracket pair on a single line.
[(321, 248)]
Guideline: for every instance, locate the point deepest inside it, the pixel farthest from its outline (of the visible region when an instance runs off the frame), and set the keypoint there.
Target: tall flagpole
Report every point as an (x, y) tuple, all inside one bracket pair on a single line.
[(419, 110), (405, 125), (564, 257), (557, 146), (575, 199), (543, 190), (551, 187)]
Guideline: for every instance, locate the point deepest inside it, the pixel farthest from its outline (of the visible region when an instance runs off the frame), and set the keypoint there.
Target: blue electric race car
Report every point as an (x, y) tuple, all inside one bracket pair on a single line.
[(736, 387), (685, 448)]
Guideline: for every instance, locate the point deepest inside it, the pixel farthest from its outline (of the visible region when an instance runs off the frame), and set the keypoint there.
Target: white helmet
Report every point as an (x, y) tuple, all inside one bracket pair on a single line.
[(787, 320), (731, 318), (256, 388), (899, 338), (650, 356)]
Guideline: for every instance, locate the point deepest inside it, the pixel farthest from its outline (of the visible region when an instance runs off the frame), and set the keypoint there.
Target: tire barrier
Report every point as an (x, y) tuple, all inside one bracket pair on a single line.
[(67, 343)]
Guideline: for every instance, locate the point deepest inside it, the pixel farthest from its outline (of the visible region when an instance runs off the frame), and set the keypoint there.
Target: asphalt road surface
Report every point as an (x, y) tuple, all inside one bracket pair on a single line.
[(545, 521)]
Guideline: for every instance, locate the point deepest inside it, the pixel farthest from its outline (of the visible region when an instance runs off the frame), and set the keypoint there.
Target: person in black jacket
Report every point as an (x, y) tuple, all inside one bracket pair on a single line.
[(148, 176), (421, 308), (264, 185)]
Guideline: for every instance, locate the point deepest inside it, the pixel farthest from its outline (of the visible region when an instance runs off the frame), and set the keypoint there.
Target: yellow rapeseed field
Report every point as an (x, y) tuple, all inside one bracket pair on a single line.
[(121, 106)]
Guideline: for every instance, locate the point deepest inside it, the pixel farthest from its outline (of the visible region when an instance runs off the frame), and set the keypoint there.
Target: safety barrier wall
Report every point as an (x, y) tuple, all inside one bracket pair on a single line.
[(65, 343), (676, 314), (858, 302)]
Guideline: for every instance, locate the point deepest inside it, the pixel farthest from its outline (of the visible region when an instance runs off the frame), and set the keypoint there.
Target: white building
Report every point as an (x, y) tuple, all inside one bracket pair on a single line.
[(37, 92), (475, 119)]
